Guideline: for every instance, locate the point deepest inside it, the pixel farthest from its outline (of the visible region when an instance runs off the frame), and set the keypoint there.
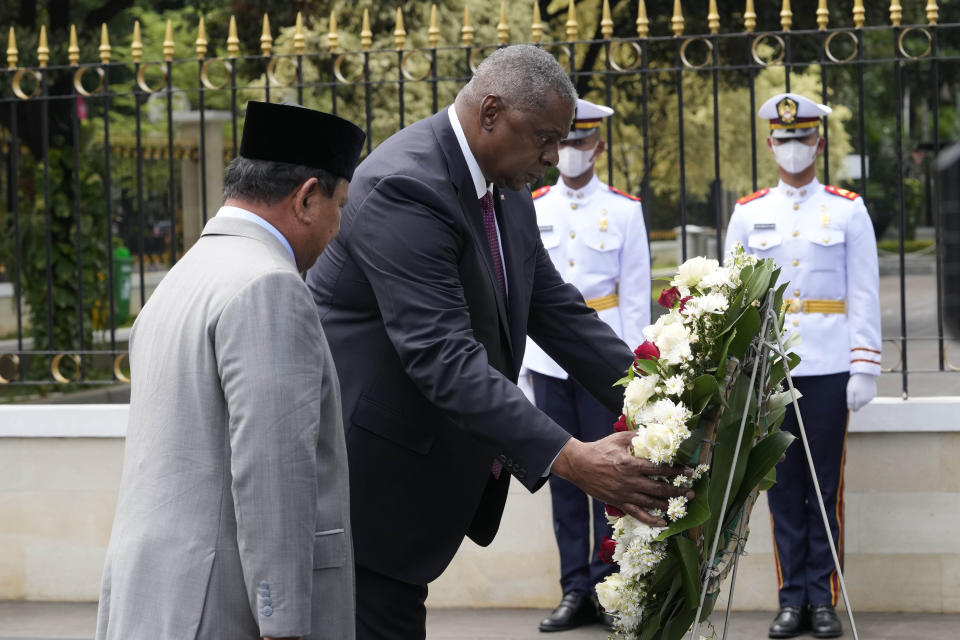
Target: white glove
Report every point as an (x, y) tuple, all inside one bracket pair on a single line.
[(861, 389)]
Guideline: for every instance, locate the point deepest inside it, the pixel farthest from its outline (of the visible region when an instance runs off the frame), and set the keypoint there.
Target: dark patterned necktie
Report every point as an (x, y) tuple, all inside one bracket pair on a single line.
[(490, 225)]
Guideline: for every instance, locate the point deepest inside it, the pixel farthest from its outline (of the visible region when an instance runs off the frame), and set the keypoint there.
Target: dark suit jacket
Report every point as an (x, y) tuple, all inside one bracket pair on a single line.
[(428, 351)]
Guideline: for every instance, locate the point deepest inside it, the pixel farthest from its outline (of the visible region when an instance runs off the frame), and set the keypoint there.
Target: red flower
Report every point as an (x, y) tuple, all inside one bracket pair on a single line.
[(607, 547), (613, 511), (621, 424), (668, 297), (683, 303), (646, 351)]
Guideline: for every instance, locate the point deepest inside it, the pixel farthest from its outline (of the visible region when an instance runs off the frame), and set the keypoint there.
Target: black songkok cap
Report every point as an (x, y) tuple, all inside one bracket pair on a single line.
[(297, 135)]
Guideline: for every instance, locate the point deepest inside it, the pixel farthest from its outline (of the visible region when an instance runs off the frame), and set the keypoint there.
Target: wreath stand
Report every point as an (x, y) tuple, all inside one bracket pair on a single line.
[(761, 349)]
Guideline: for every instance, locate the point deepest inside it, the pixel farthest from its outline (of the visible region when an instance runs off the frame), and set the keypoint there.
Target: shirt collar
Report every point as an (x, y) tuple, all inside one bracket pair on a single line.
[(799, 194), (249, 216), (580, 194), (479, 182)]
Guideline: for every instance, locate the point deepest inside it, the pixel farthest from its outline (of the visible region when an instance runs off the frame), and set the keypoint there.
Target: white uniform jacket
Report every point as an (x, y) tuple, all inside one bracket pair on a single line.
[(598, 242), (822, 239)]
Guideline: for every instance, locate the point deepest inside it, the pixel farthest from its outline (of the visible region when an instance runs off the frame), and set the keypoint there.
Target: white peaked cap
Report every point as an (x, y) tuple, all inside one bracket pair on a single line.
[(588, 118), (792, 115)]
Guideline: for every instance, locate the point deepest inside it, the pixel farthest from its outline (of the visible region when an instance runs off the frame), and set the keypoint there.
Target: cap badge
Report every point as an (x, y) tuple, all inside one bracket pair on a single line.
[(787, 110)]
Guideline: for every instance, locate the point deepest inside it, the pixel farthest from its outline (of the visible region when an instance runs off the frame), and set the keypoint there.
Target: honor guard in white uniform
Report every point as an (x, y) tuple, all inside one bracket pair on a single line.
[(822, 239), (596, 237)]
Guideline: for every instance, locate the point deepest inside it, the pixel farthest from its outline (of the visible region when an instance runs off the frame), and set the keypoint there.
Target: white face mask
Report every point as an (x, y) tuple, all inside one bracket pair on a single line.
[(794, 156), (575, 162)]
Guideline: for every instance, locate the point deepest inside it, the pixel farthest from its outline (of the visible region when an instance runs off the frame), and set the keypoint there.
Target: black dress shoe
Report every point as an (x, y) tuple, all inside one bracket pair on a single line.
[(824, 622), (790, 622), (575, 610)]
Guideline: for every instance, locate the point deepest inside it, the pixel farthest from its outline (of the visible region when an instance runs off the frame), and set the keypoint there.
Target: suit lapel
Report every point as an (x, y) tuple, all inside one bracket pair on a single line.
[(470, 206)]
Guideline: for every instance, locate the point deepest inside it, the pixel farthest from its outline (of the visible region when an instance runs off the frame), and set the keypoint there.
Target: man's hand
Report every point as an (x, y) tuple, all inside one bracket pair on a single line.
[(606, 470), (861, 389)]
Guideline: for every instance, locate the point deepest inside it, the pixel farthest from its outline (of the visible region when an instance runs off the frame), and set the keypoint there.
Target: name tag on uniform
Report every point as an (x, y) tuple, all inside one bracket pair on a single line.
[(546, 227), (765, 226)]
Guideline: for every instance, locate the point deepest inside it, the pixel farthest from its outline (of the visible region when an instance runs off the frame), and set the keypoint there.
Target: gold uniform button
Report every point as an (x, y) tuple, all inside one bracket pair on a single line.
[(795, 206), (796, 262), (826, 241), (571, 263), (573, 234), (763, 244), (796, 292), (573, 205), (601, 245), (796, 323), (796, 233)]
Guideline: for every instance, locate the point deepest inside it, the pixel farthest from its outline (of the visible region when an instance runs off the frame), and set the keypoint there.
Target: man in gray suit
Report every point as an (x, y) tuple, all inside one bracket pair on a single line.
[(233, 514)]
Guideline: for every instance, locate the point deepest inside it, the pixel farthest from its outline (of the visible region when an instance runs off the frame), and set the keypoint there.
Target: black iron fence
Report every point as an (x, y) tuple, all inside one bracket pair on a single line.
[(110, 169)]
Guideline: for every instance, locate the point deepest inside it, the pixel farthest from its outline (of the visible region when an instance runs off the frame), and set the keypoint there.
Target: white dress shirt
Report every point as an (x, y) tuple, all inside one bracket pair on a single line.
[(250, 216)]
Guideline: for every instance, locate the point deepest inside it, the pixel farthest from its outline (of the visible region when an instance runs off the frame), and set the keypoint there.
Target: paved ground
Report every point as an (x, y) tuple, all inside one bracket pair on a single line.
[(76, 621)]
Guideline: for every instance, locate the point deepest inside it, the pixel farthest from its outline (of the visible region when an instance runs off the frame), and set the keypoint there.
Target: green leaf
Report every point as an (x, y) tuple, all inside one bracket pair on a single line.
[(698, 510), (768, 480), (647, 366), (777, 374), (677, 626), (722, 369), (622, 382), (746, 328), (705, 389), (763, 458), (782, 399), (689, 563)]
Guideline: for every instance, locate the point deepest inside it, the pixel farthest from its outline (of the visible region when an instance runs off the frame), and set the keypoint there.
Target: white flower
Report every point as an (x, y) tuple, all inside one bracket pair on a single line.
[(691, 272), (674, 385), (655, 442), (676, 508), (641, 389), (682, 481), (700, 470), (712, 303), (671, 337), (719, 277), (608, 592)]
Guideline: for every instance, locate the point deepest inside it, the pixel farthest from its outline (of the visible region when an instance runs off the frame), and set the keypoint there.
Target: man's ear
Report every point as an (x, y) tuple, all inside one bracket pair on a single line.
[(491, 108), (601, 145), (770, 144), (821, 145), (303, 199)]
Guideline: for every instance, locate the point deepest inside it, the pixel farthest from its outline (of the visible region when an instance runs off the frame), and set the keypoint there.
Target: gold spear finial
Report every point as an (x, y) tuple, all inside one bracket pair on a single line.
[(786, 16), (333, 38), (12, 53), (136, 47), (643, 22), (266, 40), (466, 31), (572, 22), (933, 13), (43, 51), (536, 26), (299, 40), (233, 42), (168, 42), (676, 22), (823, 15), (104, 44), (366, 36), (433, 33), (606, 23), (73, 49), (713, 17), (859, 13), (503, 29), (201, 43), (749, 17), (399, 35), (896, 13)]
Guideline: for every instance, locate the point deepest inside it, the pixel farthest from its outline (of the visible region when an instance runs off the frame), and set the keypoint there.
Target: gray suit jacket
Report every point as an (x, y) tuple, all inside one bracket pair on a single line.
[(233, 514)]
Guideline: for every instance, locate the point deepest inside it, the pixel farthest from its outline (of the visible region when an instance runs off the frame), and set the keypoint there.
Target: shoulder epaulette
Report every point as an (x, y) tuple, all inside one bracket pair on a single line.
[(623, 193), (539, 192), (843, 193), (753, 196)]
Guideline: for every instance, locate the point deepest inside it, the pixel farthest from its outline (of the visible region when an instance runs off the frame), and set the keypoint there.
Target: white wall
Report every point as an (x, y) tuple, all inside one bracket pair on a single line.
[(60, 467)]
